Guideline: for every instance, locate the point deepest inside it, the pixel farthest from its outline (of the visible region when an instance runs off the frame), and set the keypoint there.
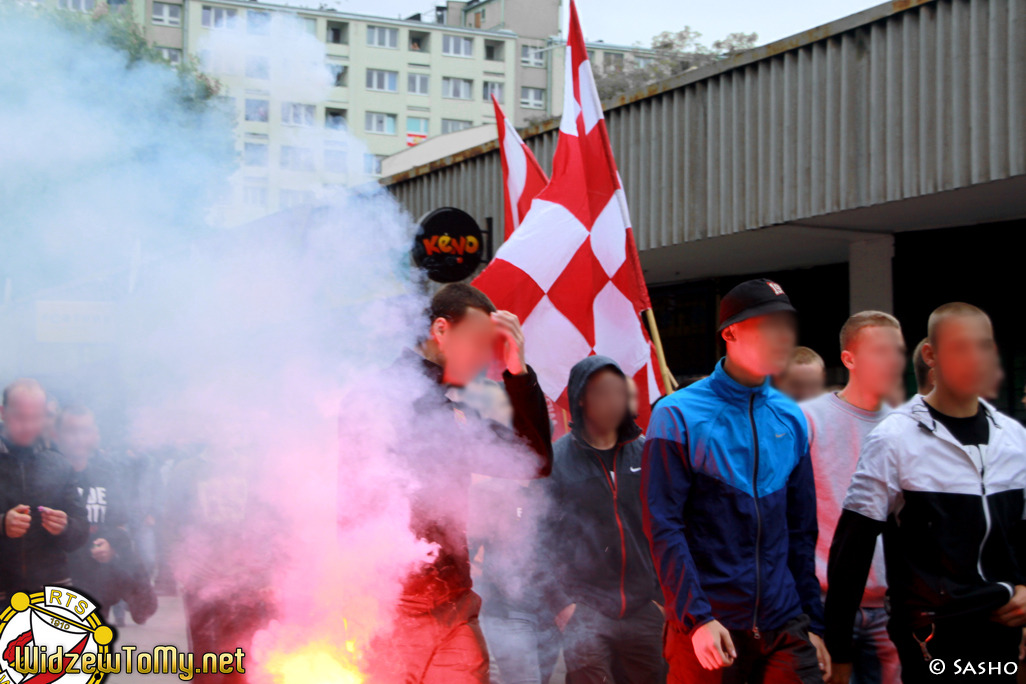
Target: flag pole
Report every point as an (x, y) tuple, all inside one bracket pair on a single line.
[(669, 382)]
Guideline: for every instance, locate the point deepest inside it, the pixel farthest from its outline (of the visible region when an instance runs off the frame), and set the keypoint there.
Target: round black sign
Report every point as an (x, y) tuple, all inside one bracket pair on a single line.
[(447, 245)]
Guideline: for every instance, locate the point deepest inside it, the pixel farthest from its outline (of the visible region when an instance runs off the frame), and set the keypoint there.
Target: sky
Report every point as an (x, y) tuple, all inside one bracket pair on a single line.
[(611, 21)]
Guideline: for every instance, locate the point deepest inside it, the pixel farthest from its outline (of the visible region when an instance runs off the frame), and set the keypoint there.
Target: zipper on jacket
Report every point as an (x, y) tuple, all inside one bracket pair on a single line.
[(24, 492), (619, 524), (758, 519), (986, 516)]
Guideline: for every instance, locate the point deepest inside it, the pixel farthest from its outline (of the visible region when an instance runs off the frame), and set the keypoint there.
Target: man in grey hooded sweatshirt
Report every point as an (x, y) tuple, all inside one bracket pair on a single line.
[(604, 590)]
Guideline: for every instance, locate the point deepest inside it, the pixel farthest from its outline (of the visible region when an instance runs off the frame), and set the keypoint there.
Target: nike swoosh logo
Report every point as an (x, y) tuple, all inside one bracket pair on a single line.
[(781, 435), (634, 470)]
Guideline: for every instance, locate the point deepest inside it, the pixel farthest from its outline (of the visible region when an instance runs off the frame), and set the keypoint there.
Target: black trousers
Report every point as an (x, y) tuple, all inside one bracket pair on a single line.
[(780, 655), (967, 647), (600, 649)]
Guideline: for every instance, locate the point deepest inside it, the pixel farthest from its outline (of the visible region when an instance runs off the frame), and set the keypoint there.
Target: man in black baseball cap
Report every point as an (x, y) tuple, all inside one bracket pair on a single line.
[(730, 510)]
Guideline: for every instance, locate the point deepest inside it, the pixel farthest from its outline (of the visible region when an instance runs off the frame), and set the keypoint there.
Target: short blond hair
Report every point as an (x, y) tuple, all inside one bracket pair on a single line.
[(864, 319), (950, 310), (804, 356)]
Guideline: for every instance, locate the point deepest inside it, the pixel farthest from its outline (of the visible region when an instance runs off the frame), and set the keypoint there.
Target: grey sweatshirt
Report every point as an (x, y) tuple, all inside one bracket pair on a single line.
[(836, 433)]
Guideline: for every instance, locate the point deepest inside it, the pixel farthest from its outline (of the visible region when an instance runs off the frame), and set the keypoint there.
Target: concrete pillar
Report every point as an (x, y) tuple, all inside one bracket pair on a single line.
[(870, 283)]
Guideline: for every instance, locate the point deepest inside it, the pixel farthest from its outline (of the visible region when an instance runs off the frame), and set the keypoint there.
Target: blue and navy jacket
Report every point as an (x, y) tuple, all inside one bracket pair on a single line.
[(730, 506)]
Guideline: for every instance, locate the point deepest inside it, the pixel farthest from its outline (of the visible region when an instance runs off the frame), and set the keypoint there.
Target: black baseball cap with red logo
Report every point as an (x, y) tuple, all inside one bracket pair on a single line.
[(753, 298)]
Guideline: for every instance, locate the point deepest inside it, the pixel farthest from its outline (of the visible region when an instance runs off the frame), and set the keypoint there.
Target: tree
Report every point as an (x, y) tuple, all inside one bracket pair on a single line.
[(116, 28), (675, 53)]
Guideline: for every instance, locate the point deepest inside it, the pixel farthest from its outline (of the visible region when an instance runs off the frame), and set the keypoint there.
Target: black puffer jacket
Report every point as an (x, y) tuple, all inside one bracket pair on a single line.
[(37, 477), (600, 554)]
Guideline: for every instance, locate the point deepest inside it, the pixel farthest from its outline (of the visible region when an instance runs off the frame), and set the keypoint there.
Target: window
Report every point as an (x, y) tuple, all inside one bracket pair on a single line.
[(532, 56), (116, 4), (532, 98), (219, 17), (418, 41), (453, 125), (294, 198), (417, 84), (380, 36), (338, 73), (457, 88), (416, 124), (297, 158), (372, 164), (335, 160), (458, 46), (256, 110), (613, 61), (293, 114), (257, 67), (254, 195), (376, 122), (255, 154), (492, 88), (335, 119), (642, 62), (591, 57), (338, 33), (386, 81), (167, 14), (494, 51), (173, 55), (77, 5), (258, 23), (307, 25)]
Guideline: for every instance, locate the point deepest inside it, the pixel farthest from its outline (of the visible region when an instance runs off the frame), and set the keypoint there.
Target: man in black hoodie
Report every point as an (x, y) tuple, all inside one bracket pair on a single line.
[(437, 636), (44, 518), (604, 586)]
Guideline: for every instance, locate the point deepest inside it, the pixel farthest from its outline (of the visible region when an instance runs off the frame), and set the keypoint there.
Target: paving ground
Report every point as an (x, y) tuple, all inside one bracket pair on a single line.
[(167, 627)]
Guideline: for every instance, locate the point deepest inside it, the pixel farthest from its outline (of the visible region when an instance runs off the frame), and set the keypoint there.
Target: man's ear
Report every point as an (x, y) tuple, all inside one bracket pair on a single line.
[(728, 334), (848, 359), (439, 327), (929, 355)]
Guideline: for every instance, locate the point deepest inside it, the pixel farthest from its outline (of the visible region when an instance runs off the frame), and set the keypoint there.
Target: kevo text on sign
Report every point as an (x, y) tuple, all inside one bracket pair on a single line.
[(448, 245)]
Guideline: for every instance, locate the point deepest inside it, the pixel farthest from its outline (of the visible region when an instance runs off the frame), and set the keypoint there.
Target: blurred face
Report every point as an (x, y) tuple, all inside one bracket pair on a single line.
[(997, 379), (467, 347), (605, 400), (77, 437), (877, 359), (762, 345), (963, 355), (25, 416), (802, 381), (50, 428)]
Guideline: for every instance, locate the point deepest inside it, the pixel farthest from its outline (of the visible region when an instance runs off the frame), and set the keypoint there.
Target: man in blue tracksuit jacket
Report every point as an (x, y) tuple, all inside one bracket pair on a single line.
[(730, 510)]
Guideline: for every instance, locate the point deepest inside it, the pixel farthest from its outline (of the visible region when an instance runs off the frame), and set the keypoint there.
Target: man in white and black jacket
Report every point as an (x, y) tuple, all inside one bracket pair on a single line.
[(942, 477)]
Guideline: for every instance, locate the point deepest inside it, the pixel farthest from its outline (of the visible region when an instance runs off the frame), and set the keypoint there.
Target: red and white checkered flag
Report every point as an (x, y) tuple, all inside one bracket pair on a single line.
[(570, 271), (522, 175)]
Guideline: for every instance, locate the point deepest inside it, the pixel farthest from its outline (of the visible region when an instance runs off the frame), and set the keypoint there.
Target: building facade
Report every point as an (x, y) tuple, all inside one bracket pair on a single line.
[(878, 161)]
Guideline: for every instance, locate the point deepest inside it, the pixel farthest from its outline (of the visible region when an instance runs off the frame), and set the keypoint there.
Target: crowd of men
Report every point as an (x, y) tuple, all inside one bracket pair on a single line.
[(766, 528)]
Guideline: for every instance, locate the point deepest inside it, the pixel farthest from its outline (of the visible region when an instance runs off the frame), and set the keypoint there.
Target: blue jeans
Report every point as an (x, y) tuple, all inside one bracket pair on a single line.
[(516, 649), (876, 658)]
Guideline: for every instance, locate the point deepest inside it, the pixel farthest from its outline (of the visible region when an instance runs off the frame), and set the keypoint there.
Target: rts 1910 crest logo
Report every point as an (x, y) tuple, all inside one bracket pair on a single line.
[(55, 635)]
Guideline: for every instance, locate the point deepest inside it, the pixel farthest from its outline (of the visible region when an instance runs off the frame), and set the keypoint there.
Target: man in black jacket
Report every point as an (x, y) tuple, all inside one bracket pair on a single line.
[(108, 568), (605, 590), (437, 637), (44, 518)]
